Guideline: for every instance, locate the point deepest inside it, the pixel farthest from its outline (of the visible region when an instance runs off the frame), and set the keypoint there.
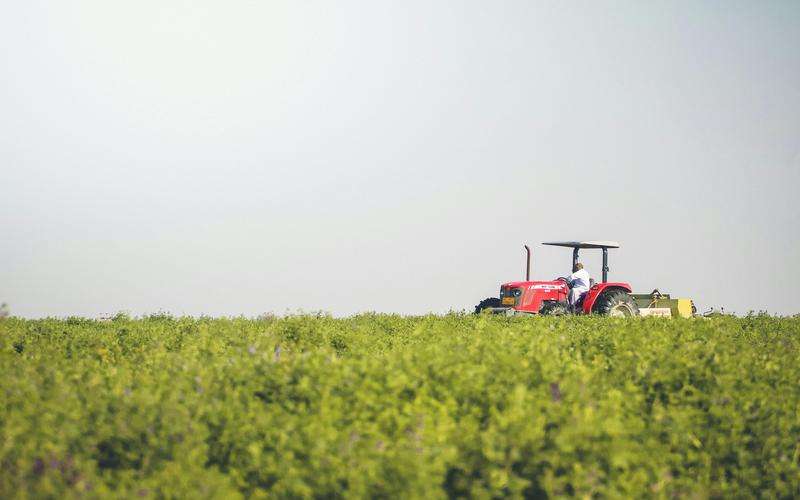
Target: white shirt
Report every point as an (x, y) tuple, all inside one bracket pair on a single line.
[(579, 279)]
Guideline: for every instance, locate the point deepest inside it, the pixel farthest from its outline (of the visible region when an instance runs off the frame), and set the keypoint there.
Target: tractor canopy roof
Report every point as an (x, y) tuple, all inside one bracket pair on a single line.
[(583, 244)]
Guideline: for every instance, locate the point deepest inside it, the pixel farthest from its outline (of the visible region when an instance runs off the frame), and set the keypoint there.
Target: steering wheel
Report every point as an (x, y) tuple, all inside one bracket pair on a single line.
[(562, 278)]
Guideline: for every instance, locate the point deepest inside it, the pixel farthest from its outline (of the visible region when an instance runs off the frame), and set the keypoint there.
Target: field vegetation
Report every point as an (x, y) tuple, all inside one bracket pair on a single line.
[(390, 406)]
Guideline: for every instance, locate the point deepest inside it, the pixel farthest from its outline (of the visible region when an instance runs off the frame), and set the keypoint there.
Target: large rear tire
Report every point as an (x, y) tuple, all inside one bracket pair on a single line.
[(487, 303), (616, 303)]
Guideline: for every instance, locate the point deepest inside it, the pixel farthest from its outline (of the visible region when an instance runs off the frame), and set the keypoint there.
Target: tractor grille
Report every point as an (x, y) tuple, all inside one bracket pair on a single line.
[(510, 296)]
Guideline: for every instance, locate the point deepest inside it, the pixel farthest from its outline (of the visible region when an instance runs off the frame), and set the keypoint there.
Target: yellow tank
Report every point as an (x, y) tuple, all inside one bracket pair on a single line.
[(683, 308), (678, 307)]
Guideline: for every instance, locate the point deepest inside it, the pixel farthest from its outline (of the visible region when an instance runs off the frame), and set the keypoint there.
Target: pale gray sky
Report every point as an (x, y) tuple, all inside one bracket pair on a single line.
[(240, 157)]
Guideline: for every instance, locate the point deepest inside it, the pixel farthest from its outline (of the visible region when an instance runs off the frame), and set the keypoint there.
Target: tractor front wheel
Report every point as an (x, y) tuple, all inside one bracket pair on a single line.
[(616, 303), (553, 308), (487, 304)]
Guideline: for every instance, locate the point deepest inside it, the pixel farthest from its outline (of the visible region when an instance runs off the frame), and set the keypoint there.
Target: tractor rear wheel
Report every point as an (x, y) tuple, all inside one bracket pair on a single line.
[(616, 303), (487, 304)]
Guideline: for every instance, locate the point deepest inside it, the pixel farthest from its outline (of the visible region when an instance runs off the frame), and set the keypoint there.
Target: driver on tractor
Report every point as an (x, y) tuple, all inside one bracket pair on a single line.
[(578, 283)]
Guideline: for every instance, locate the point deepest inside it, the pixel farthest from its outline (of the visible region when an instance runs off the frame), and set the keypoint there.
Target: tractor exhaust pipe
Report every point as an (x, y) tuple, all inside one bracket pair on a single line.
[(528, 265)]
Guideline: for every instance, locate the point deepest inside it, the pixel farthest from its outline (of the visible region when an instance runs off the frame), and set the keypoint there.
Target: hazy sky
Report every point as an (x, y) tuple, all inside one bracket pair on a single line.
[(240, 157)]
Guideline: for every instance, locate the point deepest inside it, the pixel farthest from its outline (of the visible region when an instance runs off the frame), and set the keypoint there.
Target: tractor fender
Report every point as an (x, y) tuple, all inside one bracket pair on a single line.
[(597, 290)]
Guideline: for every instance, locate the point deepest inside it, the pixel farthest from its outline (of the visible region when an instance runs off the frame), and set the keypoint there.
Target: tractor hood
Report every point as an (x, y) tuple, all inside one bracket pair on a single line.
[(528, 296), (533, 284)]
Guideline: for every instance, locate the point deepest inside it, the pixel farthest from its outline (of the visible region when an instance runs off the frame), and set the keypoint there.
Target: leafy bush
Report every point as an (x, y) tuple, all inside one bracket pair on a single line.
[(383, 405)]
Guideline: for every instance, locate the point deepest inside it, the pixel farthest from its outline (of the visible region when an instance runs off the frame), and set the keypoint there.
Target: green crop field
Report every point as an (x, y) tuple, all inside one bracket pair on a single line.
[(391, 406)]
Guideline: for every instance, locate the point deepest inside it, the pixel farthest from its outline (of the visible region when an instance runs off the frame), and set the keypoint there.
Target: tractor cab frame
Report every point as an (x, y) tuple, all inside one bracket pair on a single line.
[(598, 292), (577, 245)]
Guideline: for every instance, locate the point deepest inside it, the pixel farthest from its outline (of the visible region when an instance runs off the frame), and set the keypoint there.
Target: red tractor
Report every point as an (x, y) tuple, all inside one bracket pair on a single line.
[(550, 297)]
